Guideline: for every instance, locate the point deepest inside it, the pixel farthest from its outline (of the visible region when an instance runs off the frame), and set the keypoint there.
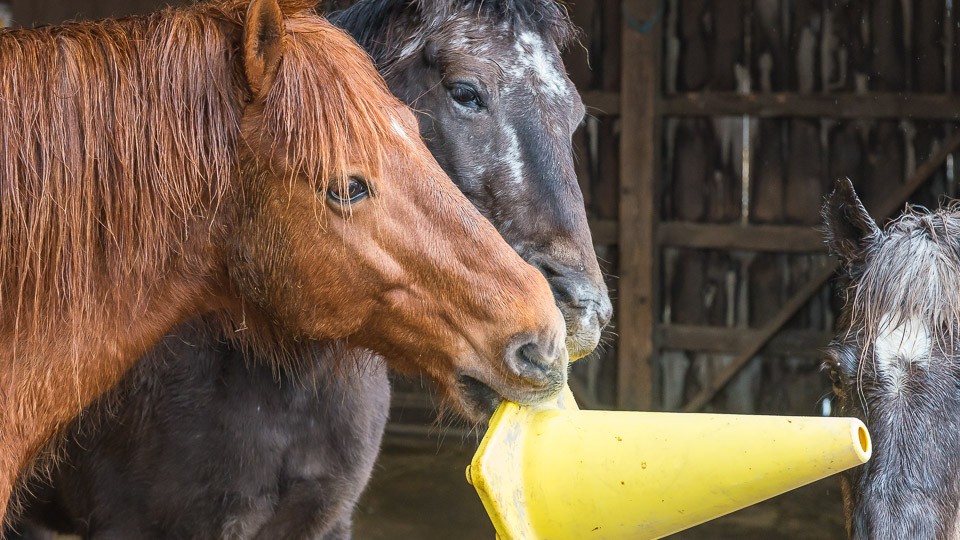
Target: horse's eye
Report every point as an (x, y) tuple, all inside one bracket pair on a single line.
[(832, 366), (836, 379), (350, 191), (466, 96)]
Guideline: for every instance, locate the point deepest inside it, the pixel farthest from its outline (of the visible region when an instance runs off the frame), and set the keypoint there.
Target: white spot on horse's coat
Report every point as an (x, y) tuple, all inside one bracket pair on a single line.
[(398, 129), (532, 58), (410, 48), (477, 170), (512, 157), (899, 344)]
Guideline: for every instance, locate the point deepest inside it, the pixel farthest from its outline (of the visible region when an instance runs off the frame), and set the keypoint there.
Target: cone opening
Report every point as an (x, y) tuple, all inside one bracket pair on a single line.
[(864, 439)]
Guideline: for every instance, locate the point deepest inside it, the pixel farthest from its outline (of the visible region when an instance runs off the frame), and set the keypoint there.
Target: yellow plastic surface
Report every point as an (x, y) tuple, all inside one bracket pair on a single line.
[(553, 472)]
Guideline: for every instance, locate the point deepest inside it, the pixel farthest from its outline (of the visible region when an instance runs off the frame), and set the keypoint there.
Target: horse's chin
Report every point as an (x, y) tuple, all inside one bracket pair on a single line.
[(478, 401)]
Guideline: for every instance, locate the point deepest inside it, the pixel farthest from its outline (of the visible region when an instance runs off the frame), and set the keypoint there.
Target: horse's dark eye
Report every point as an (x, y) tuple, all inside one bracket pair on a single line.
[(349, 191), (832, 366), (836, 379), (466, 95)]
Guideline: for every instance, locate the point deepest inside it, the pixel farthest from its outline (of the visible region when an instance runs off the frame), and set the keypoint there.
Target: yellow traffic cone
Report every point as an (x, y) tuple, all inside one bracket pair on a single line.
[(553, 472)]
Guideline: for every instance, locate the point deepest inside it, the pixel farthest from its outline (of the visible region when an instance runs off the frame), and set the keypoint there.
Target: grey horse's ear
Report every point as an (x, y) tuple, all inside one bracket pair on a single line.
[(850, 229), (431, 53)]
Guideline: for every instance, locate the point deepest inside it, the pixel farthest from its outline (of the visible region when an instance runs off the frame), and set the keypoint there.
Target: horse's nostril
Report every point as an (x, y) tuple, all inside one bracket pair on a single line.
[(530, 354), (529, 359)]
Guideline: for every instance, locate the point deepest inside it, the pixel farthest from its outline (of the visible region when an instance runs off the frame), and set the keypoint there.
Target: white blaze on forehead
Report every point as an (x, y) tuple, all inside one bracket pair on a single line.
[(533, 59), (512, 158), (900, 343)]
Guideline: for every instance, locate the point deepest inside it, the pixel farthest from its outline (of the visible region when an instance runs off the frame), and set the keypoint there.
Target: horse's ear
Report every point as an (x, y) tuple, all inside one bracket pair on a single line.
[(262, 45), (850, 229), (431, 52)]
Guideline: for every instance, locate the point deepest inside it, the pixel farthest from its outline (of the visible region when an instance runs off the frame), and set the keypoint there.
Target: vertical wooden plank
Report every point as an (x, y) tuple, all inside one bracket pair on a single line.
[(6, 14), (610, 42), (577, 56), (638, 202)]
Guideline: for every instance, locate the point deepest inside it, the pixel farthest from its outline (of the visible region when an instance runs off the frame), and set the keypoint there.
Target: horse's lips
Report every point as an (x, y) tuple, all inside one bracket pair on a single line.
[(484, 398)]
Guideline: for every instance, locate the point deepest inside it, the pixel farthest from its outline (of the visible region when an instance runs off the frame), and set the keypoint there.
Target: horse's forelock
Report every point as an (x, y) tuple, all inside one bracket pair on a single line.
[(329, 98), (912, 274)]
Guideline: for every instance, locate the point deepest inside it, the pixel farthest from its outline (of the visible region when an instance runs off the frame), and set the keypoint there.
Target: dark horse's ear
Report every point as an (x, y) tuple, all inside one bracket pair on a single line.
[(850, 229), (262, 45)]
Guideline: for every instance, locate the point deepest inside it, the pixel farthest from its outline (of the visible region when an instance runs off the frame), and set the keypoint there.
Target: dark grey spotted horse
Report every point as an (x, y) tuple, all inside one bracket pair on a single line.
[(196, 444), (896, 364)]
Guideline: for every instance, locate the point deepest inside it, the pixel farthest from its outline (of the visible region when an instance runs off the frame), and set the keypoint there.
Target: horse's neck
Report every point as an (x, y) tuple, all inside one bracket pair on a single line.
[(47, 377)]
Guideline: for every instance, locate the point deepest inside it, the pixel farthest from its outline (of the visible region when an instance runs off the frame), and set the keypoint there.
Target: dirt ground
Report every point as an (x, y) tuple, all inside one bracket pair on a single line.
[(419, 491)]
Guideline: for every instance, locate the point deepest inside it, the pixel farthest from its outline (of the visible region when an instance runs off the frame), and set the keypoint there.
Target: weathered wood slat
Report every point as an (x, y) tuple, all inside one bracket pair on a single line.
[(638, 258), (779, 238), (744, 237), (871, 105), (716, 339), (849, 106)]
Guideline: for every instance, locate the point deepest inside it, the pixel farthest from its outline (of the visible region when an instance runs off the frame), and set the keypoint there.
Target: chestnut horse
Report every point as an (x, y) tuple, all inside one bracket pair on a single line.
[(240, 158), (299, 450)]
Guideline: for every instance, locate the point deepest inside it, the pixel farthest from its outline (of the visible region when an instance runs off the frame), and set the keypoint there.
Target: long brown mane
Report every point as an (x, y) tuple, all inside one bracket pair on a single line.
[(116, 135), (120, 140)]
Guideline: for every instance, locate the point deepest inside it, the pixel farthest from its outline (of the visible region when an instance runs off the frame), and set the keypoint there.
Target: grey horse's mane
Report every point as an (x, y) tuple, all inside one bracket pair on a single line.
[(912, 271), (385, 28)]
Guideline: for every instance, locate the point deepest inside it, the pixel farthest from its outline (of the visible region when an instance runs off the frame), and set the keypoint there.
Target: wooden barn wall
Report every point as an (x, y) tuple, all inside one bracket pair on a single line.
[(728, 179)]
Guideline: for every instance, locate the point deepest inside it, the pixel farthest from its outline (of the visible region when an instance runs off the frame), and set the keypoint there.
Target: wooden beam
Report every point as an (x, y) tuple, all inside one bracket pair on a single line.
[(886, 208), (737, 236), (720, 339), (638, 140), (870, 105), (779, 238), (600, 103)]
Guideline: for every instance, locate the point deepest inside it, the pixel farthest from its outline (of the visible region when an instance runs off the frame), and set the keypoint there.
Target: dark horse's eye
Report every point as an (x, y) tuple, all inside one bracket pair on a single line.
[(834, 371), (350, 191), (466, 95)]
